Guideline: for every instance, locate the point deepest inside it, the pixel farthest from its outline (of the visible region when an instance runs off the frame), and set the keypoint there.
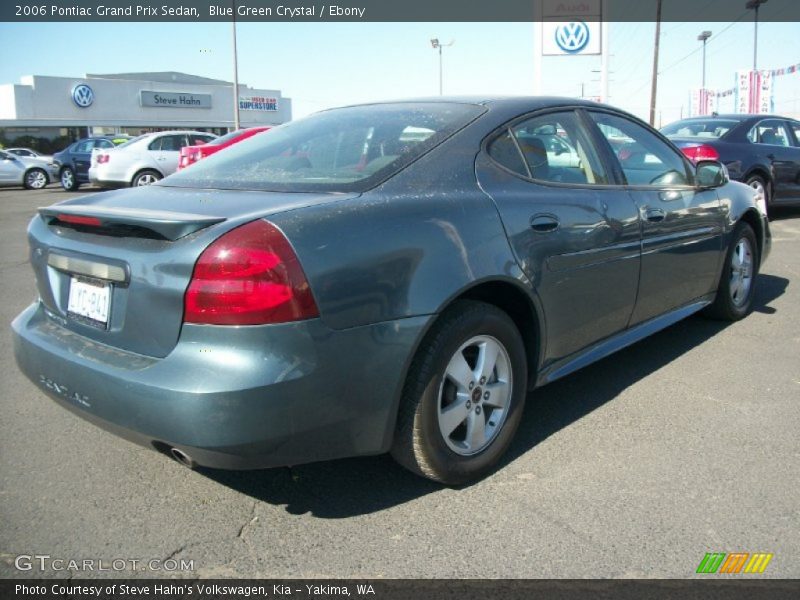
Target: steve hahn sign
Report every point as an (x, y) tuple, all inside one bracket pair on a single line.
[(175, 99)]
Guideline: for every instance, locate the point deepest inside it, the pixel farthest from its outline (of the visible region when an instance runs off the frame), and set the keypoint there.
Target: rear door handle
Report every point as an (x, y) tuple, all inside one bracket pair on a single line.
[(544, 223), (655, 215)]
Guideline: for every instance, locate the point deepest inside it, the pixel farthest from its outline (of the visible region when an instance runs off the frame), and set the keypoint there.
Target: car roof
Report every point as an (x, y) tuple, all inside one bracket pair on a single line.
[(737, 117), (531, 102)]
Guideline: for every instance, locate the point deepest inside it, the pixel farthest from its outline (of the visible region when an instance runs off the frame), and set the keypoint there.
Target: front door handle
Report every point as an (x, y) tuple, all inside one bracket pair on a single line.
[(544, 223), (654, 215)]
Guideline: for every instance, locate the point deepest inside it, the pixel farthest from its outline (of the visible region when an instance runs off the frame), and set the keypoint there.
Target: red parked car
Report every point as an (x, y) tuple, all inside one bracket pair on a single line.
[(191, 154)]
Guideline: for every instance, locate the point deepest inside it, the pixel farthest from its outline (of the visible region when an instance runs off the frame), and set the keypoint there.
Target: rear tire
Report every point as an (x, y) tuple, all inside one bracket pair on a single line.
[(736, 289), (36, 179), (464, 395), (147, 177), (68, 180), (759, 184)]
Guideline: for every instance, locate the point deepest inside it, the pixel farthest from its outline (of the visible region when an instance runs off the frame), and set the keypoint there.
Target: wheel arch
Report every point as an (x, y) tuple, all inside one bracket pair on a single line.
[(761, 171), (141, 170), (35, 168), (752, 218), (508, 296)]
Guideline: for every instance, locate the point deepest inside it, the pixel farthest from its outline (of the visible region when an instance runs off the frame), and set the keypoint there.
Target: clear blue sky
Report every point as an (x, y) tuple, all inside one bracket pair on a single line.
[(320, 65)]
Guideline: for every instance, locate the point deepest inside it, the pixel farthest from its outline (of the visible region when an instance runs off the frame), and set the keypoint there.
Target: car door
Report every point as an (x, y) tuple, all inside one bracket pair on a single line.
[(682, 225), (11, 169), (793, 160), (81, 157), (166, 152), (576, 238), (774, 144)]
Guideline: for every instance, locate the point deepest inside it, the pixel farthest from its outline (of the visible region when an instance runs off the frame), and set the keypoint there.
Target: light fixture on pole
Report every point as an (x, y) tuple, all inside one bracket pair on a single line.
[(703, 37), (754, 5), (435, 44)]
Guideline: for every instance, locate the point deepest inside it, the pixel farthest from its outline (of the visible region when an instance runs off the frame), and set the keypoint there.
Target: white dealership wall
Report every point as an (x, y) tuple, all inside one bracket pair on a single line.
[(43, 102)]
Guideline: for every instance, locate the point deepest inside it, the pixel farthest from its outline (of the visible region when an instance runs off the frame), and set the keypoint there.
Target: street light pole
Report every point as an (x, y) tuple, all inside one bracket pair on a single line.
[(435, 44), (754, 5), (703, 37), (235, 74)]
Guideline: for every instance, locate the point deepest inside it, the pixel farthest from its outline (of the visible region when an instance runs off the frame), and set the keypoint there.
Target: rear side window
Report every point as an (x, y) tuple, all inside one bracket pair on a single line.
[(770, 132), (195, 140), (103, 144), (644, 157), (552, 147)]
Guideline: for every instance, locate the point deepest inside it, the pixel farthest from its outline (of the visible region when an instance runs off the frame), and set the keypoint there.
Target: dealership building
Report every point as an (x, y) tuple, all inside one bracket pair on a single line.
[(72, 107)]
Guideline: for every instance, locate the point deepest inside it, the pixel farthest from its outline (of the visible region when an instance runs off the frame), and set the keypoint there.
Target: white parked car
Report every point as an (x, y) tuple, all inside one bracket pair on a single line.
[(33, 173), (142, 160)]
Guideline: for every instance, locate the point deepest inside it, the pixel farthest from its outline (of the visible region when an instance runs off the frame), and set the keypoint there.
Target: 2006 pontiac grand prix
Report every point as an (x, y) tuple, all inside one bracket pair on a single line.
[(387, 277)]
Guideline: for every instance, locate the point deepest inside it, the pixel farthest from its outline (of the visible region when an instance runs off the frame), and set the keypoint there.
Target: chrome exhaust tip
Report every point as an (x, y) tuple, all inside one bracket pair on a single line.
[(182, 458)]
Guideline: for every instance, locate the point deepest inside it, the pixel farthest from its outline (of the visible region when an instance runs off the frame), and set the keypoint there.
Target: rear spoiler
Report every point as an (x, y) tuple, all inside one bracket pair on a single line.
[(168, 225)]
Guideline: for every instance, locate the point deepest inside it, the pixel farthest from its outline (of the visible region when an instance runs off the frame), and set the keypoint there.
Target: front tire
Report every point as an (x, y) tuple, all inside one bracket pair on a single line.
[(36, 179), (736, 289), (148, 177), (68, 180), (464, 395)]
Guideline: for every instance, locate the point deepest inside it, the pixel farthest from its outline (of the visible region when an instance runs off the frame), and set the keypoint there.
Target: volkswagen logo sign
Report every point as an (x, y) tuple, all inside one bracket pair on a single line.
[(82, 95), (572, 37)]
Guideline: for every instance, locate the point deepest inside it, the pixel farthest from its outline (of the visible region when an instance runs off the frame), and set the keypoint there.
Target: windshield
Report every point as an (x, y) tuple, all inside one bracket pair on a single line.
[(699, 128), (341, 150), (226, 138)]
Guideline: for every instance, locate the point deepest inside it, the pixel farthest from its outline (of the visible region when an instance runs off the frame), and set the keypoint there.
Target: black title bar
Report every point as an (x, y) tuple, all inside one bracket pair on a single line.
[(389, 10)]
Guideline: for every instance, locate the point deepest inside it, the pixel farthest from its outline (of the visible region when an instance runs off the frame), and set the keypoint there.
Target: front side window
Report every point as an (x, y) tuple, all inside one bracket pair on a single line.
[(346, 149), (552, 147), (770, 132), (644, 158)]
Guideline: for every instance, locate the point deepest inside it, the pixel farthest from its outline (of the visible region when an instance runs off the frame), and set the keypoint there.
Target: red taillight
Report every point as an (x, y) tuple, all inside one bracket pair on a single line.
[(78, 220), (700, 152), (103, 158), (249, 276)]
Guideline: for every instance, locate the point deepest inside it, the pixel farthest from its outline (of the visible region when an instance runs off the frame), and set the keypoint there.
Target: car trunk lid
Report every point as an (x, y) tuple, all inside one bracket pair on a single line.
[(114, 266)]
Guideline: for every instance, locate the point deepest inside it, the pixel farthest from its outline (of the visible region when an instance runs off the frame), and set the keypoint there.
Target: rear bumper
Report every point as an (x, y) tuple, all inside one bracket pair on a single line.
[(232, 397), (104, 178)]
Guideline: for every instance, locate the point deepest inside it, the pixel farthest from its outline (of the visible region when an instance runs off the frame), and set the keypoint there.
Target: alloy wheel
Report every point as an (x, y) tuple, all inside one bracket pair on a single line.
[(36, 179), (741, 272), (474, 395)]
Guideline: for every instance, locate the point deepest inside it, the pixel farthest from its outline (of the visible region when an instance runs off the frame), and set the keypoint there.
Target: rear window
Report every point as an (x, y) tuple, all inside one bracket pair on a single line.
[(346, 149), (700, 128)]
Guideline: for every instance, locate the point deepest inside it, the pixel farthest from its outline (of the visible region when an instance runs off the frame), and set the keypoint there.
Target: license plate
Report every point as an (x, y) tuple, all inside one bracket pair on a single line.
[(89, 301)]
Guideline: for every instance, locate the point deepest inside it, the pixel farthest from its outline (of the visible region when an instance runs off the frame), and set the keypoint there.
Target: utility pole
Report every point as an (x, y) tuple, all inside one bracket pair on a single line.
[(235, 74), (654, 88)]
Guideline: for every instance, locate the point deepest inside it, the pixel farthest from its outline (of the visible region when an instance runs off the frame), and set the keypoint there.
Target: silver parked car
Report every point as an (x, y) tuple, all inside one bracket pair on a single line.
[(142, 160), (33, 173), (29, 153)]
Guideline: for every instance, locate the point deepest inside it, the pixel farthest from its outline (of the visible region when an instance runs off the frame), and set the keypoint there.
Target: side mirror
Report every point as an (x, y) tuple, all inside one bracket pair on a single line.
[(711, 174)]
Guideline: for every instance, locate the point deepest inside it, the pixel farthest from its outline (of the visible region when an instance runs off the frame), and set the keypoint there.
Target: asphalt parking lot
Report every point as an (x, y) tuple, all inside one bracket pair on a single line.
[(683, 444)]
